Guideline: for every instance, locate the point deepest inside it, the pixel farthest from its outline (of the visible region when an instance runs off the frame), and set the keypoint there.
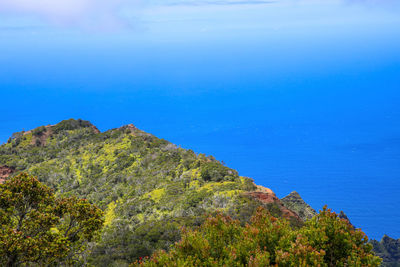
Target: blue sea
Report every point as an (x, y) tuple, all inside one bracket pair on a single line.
[(299, 95)]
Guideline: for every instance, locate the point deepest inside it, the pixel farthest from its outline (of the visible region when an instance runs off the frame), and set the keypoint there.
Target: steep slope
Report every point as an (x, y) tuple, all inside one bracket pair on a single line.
[(389, 250), (267, 196), (294, 202), (148, 186)]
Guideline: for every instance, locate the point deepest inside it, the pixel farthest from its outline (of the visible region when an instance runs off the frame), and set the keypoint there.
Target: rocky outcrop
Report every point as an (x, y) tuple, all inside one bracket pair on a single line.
[(267, 196), (343, 216), (388, 249), (294, 202), (95, 129), (130, 128), (5, 172)]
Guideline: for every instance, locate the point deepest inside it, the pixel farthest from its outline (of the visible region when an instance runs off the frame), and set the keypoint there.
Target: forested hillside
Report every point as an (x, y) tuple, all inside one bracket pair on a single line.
[(148, 187), (389, 250)]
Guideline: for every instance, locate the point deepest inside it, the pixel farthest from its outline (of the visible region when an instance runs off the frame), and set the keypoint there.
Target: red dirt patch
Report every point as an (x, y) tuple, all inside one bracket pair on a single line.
[(267, 196), (95, 130), (42, 138), (5, 172)]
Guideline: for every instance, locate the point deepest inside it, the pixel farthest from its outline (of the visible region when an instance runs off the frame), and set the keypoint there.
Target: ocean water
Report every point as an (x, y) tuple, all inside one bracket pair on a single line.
[(298, 95)]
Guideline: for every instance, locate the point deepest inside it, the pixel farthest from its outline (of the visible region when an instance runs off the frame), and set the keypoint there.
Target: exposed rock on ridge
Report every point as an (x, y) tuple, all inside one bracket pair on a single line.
[(267, 196), (294, 202), (40, 135)]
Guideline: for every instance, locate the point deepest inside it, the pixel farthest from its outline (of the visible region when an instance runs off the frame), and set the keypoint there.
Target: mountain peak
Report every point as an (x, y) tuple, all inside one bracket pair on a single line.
[(72, 124), (130, 127), (294, 194), (294, 202), (39, 136)]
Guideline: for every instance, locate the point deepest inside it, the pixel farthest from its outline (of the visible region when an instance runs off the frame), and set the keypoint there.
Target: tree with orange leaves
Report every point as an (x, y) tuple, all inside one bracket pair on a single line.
[(326, 240)]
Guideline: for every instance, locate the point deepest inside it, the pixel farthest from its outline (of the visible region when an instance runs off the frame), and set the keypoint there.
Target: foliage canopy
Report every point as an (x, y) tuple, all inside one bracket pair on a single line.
[(326, 240), (139, 180), (148, 187), (40, 229)]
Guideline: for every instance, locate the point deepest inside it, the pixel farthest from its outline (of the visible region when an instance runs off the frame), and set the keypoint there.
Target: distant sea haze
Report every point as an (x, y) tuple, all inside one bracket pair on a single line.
[(298, 95)]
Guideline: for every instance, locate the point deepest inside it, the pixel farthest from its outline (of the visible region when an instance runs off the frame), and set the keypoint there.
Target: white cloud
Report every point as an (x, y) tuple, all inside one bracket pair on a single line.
[(97, 14)]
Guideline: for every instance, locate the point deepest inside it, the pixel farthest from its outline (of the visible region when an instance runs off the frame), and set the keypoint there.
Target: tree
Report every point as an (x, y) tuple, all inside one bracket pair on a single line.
[(343, 244), (40, 229), (268, 241)]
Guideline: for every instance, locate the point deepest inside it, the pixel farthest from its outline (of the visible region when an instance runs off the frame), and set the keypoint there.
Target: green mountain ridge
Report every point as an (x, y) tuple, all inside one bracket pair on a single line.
[(389, 250), (294, 202), (148, 187)]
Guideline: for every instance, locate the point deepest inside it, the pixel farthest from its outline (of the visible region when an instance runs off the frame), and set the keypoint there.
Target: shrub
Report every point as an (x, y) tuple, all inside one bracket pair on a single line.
[(326, 240)]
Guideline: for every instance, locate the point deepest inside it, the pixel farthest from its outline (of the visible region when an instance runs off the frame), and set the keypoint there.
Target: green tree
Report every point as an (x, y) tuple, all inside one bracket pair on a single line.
[(342, 243), (267, 241), (40, 229)]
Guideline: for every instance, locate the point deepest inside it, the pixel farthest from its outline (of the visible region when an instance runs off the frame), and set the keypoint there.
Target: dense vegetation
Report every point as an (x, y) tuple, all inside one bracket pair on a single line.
[(389, 250), (294, 202), (38, 229), (147, 187), (326, 240)]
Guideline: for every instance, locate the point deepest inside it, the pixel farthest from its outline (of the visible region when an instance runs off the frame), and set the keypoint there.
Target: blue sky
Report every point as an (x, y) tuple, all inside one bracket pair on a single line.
[(299, 95), (60, 52), (77, 58)]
